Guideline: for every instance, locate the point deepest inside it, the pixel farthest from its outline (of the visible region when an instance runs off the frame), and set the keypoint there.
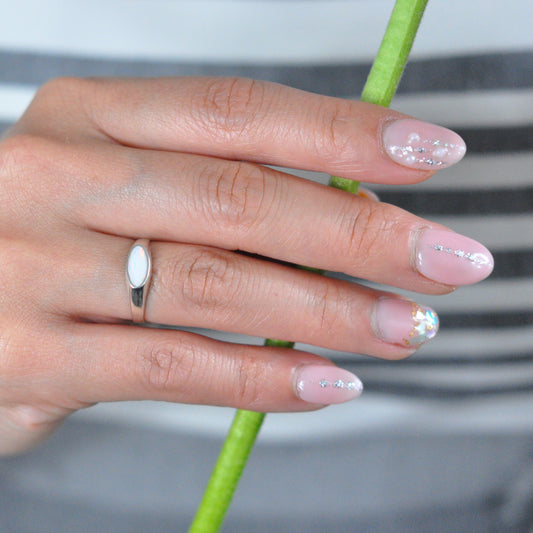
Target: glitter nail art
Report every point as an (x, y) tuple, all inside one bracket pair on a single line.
[(461, 254), (447, 257), (340, 384), (420, 145), (425, 325), (326, 384), (430, 152)]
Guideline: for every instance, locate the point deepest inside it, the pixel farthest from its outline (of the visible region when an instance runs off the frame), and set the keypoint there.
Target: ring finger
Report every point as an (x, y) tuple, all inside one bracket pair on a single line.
[(206, 287)]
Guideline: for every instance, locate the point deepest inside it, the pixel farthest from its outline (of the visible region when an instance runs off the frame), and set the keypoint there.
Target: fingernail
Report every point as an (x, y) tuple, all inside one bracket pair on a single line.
[(450, 258), (399, 321), (420, 145), (326, 384), (368, 194)]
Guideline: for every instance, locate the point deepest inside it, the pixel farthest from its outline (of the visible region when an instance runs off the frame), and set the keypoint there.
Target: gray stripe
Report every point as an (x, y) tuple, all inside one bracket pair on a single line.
[(462, 202), (442, 391), (4, 126), (508, 70)]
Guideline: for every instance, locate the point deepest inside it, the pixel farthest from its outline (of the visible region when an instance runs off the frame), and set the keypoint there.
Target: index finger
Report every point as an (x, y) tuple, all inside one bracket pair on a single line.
[(269, 123)]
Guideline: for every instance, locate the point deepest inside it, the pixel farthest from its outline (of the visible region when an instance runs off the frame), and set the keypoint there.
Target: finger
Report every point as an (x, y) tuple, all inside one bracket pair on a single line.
[(263, 122), (114, 363), (185, 198), (24, 426), (197, 286), (363, 192)]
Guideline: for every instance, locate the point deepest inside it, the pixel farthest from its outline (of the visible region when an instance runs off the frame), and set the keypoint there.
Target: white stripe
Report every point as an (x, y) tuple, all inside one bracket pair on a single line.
[(13, 101), (499, 295), (474, 343), (470, 108), (486, 171), (488, 296), (479, 343), (191, 30), (475, 172), (368, 416), (336, 30)]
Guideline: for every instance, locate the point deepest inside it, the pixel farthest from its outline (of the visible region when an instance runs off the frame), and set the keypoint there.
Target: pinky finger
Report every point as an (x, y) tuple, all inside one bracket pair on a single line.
[(135, 363)]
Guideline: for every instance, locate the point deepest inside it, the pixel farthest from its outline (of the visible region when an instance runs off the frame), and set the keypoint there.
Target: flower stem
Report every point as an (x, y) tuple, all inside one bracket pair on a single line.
[(227, 472), (379, 89), (389, 64)]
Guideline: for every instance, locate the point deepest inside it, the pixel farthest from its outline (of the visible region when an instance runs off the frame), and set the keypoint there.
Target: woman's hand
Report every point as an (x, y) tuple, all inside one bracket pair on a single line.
[(94, 165)]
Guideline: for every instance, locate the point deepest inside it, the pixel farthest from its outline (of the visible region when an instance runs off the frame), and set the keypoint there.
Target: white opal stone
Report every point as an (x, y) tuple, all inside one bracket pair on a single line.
[(138, 266)]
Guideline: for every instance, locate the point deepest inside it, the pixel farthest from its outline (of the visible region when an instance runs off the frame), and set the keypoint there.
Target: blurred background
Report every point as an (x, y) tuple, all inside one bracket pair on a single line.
[(442, 442)]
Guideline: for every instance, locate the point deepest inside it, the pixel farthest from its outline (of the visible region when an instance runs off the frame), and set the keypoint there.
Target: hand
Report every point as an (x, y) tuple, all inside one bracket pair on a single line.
[(94, 165)]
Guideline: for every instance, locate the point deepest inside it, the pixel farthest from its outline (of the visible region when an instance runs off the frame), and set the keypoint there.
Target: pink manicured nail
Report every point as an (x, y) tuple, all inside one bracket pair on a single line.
[(420, 145), (450, 258), (326, 384), (404, 322)]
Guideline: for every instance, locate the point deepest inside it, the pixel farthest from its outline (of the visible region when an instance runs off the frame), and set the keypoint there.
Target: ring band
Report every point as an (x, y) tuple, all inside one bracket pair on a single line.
[(138, 274)]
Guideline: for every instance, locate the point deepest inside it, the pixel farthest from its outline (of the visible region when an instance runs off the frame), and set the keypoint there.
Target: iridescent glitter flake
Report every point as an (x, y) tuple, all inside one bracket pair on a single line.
[(425, 325)]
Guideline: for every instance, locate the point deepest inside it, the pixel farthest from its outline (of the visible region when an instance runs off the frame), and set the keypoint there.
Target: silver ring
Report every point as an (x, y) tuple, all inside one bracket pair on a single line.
[(138, 275)]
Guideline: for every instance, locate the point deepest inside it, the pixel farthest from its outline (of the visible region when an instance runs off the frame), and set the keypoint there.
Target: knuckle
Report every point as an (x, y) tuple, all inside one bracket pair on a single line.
[(248, 386), (362, 230), (229, 106), (332, 140), (234, 198), (163, 366), (19, 157), (328, 309), (208, 279), (60, 92)]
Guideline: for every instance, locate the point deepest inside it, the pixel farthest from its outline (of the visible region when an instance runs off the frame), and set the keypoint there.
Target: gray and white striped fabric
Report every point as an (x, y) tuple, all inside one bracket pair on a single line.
[(471, 70)]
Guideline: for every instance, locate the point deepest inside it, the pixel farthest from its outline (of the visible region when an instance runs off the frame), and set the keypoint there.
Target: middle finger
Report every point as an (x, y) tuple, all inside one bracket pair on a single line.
[(243, 206)]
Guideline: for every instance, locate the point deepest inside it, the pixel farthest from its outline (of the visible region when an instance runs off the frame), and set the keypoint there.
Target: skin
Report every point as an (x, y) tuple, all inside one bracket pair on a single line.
[(95, 164)]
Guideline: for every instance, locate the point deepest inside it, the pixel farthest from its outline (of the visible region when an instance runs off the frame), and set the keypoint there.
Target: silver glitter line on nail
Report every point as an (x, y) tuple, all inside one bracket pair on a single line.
[(339, 384), (461, 254), (425, 325)]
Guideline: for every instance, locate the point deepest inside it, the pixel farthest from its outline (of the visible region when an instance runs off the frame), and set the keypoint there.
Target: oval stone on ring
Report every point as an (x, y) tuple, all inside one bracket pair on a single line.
[(138, 266), (138, 274)]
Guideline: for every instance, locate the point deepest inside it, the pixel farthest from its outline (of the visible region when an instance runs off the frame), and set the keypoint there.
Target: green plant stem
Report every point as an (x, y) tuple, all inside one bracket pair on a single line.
[(379, 89), (227, 472), (389, 64)]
